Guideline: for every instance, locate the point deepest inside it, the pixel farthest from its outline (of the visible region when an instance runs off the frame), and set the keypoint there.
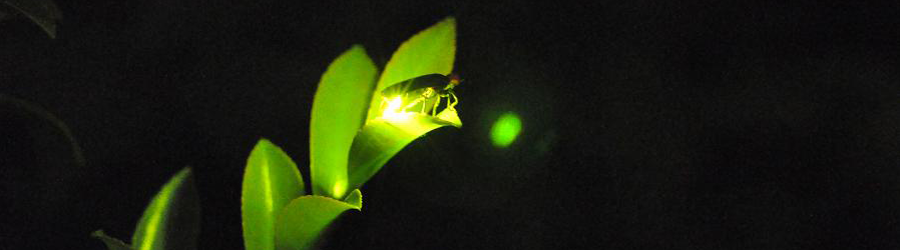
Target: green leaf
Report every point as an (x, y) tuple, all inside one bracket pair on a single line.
[(354, 199), (428, 52), (111, 243), (301, 223), (172, 220), (381, 139), (338, 112), (271, 181), (43, 12)]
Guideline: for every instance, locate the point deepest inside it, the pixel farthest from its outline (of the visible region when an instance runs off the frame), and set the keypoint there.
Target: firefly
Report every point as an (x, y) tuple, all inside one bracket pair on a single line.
[(428, 90)]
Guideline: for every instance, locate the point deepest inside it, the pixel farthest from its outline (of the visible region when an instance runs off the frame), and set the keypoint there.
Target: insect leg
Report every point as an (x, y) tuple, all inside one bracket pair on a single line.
[(449, 106), (455, 101), (434, 108), (423, 106)]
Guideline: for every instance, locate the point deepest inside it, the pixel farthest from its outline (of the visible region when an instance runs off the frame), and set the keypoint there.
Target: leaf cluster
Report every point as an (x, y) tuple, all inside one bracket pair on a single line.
[(349, 143)]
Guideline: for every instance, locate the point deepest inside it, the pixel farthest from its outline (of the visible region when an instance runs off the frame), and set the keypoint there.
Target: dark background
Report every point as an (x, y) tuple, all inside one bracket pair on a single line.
[(647, 124)]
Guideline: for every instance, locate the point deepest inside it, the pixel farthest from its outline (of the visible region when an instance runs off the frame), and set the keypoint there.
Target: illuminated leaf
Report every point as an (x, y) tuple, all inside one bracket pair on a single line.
[(43, 12), (111, 243), (271, 181), (381, 139), (354, 199), (172, 220), (337, 114), (431, 51), (301, 223)]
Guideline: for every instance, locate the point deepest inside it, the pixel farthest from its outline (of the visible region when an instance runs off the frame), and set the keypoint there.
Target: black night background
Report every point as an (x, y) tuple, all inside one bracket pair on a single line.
[(646, 124)]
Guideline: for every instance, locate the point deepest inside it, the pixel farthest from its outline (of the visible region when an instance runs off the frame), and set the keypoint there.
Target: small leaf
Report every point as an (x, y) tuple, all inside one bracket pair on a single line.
[(338, 112), (354, 199), (271, 181), (111, 243), (301, 223), (43, 12), (431, 51), (449, 116), (172, 220), (381, 139)]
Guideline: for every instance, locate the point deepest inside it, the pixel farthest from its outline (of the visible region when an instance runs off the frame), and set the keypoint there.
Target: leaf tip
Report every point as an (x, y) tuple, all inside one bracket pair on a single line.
[(450, 20), (110, 242), (97, 234), (354, 199), (262, 147), (185, 172), (357, 47), (263, 142)]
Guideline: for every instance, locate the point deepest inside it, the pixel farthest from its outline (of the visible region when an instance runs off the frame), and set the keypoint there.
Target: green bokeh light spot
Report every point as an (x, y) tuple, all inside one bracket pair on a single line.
[(506, 129)]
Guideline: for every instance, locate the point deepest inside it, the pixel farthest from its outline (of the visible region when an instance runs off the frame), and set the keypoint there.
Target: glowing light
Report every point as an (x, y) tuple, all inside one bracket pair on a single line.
[(394, 111), (339, 187), (506, 129)]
